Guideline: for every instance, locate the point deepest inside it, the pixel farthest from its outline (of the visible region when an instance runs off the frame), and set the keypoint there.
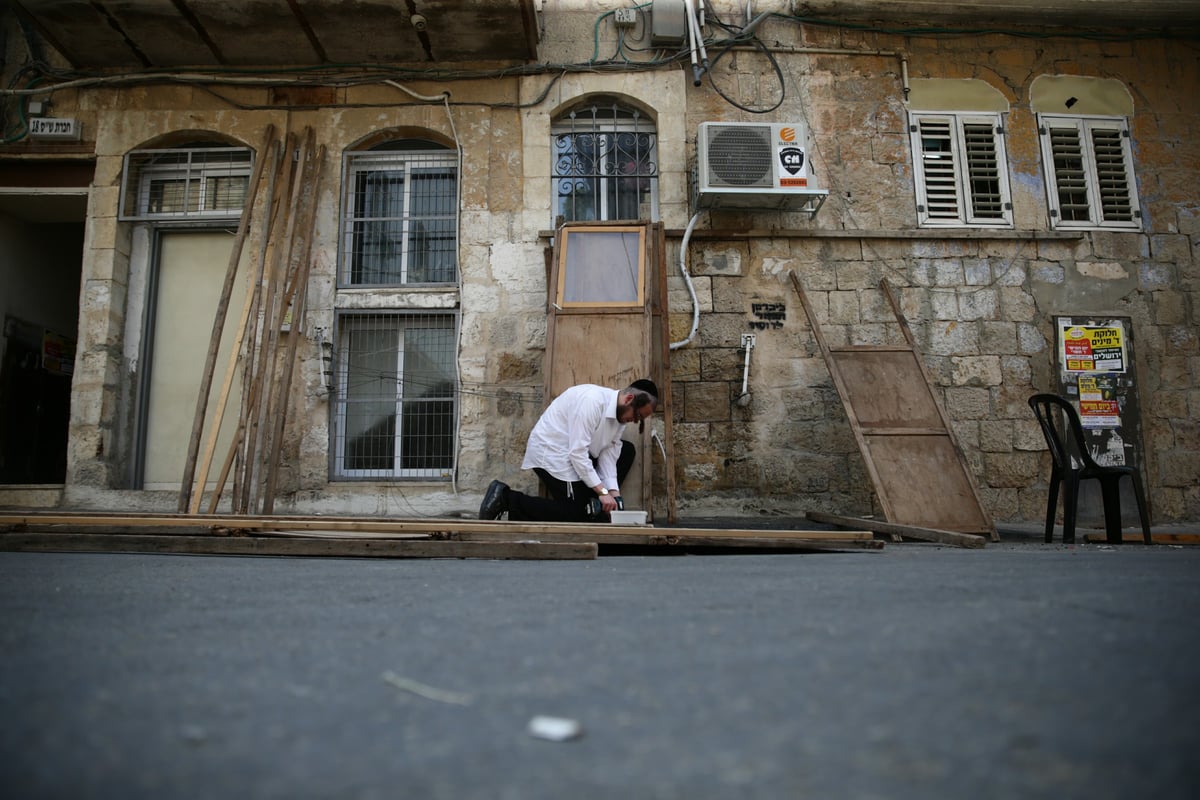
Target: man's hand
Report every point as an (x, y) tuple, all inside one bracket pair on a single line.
[(608, 502)]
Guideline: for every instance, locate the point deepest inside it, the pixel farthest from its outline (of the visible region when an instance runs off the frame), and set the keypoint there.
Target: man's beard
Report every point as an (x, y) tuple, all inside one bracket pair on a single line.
[(622, 408)]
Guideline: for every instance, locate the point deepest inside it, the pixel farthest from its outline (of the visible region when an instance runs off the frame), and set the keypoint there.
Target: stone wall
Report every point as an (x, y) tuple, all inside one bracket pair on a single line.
[(981, 303)]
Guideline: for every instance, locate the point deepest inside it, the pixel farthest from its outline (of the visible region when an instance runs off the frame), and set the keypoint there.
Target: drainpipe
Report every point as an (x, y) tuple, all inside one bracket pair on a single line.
[(683, 246)]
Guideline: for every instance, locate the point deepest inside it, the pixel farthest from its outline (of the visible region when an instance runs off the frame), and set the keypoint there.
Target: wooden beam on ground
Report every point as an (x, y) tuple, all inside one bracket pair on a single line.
[(318, 547), (502, 529), (650, 537), (954, 538), (617, 535), (1156, 538), (483, 531)]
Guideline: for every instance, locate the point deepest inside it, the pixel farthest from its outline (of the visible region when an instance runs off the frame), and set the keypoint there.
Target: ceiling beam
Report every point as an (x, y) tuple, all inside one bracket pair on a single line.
[(182, 7)]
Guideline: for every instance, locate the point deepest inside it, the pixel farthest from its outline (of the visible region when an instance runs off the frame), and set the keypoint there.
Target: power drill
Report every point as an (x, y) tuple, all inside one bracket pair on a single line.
[(595, 509)]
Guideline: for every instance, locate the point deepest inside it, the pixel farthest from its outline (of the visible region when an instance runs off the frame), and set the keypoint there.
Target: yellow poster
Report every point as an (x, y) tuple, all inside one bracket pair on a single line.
[(1098, 407), (1093, 349)]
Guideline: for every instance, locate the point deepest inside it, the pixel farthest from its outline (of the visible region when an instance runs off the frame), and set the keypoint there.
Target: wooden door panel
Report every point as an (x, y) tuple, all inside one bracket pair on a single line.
[(921, 479), (887, 390)]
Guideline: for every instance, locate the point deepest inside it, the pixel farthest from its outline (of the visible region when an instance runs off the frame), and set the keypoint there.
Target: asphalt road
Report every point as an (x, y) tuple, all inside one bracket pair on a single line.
[(1015, 671)]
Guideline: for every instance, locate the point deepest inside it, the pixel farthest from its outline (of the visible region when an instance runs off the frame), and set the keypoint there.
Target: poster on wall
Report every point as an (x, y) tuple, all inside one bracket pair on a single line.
[(1092, 348), (1098, 407), (58, 353), (1096, 372)]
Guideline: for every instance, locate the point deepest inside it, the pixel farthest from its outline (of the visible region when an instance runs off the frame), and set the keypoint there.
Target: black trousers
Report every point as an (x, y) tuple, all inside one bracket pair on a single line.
[(568, 501)]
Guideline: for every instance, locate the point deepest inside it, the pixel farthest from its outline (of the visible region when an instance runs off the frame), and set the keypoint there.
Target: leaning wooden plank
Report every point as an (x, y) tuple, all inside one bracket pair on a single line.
[(324, 548), (296, 301), (219, 320), (218, 417), (907, 531)]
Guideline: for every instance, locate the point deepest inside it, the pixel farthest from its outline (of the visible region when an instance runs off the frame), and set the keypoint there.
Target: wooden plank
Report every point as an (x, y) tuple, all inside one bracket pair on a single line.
[(296, 300), (987, 525), (322, 548), (333, 534), (883, 392), (908, 531), (632, 536), (573, 356), (274, 311), (917, 470), (612, 534), (214, 346), (666, 401), (251, 524), (684, 538), (201, 477), (926, 488)]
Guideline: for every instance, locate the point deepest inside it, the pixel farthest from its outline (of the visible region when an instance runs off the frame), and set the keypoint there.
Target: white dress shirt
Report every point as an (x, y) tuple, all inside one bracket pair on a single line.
[(580, 424)]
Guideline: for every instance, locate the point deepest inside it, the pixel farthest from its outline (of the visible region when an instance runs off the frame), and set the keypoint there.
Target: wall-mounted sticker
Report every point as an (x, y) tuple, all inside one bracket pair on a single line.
[(767, 315), (791, 160), (1098, 407), (1097, 372), (790, 153), (1093, 349)]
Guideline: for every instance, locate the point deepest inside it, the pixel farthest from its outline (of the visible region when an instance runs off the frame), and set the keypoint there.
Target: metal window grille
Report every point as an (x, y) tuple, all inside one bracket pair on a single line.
[(401, 223), (395, 397), (1089, 172), (961, 178), (185, 183), (605, 164)]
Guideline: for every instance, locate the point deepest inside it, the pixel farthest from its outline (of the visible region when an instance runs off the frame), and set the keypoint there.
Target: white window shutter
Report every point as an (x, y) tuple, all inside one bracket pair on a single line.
[(960, 174), (1089, 172)]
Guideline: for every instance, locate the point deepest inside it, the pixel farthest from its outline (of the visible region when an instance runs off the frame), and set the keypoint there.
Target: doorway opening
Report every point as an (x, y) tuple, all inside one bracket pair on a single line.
[(41, 243)]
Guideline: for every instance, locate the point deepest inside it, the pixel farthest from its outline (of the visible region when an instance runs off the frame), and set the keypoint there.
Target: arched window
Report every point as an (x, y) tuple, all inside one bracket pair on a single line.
[(605, 163), (199, 180)]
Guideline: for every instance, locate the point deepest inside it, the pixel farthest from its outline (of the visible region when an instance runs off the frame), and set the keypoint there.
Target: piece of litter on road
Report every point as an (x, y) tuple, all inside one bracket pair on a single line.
[(555, 729), (423, 690)]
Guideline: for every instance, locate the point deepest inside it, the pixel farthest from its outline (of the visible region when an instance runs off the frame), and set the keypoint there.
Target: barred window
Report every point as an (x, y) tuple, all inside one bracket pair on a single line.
[(605, 163), (395, 409), (400, 222), (206, 182), (1089, 172), (960, 170)]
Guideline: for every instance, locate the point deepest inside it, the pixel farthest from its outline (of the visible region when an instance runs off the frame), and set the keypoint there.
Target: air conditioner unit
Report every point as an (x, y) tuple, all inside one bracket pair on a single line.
[(755, 165)]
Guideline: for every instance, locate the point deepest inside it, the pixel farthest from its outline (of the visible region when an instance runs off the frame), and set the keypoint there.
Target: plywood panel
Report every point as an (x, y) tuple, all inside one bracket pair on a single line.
[(614, 344), (607, 349), (921, 477), (918, 472), (887, 389)]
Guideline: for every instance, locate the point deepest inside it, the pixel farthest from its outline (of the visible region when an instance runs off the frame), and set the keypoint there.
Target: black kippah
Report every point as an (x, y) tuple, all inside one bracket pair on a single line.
[(645, 385)]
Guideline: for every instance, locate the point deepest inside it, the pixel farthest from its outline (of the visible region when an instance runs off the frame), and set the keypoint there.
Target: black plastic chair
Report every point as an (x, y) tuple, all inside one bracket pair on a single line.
[(1073, 463)]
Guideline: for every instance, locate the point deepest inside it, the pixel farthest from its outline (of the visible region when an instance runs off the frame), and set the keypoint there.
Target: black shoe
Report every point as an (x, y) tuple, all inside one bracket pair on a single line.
[(495, 501)]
